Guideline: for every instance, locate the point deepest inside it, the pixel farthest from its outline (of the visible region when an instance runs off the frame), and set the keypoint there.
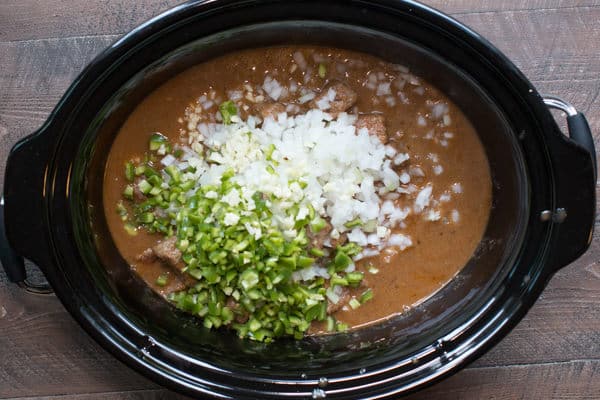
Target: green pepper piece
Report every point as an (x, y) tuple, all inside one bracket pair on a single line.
[(227, 110)]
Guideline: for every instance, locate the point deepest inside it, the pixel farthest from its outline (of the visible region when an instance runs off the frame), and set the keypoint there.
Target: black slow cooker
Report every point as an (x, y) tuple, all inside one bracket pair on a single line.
[(542, 216)]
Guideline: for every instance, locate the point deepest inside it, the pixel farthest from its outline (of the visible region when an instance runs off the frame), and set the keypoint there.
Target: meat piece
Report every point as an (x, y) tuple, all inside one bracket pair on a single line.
[(344, 98), (146, 256), (269, 110), (339, 241), (167, 251), (242, 318), (318, 240), (344, 298), (323, 238), (375, 124), (231, 303), (137, 193), (176, 283), (241, 315)]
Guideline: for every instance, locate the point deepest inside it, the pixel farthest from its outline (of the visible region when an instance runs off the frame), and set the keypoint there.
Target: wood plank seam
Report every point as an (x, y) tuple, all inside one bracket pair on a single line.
[(522, 10), (535, 364), (115, 36)]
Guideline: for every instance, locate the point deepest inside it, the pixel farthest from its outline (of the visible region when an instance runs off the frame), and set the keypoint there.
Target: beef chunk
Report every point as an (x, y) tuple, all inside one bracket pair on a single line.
[(375, 124), (345, 98), (167, 251), (231, 303), (241, 315), (269, 110), (323, 238), (343, 300), (176, 283), (146, 256), (317, 240), (339, 241), (137, 193)]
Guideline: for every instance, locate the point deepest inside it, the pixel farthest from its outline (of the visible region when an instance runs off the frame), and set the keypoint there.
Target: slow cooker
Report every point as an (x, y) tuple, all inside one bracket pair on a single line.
[(542, 213)]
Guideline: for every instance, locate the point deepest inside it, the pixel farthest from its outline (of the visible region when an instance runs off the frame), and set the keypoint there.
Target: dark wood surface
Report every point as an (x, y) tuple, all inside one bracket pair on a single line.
[(554, 353)]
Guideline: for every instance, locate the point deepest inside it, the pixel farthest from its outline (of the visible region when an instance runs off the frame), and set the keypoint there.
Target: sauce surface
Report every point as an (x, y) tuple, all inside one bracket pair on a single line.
[(444, 147)]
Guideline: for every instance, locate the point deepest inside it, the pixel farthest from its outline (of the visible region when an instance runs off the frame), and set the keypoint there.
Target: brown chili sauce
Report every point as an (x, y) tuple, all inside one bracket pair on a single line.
[(445, 153)]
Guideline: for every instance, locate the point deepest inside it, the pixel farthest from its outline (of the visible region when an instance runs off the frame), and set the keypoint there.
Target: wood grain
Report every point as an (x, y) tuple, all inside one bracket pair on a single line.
[(157, 394), (566, 380), (507, 383), (33, 76), (553, 353), (462, 7), (34, 19)]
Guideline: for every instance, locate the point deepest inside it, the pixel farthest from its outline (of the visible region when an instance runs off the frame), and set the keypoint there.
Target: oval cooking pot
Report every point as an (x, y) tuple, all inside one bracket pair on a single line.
[(541, 219)]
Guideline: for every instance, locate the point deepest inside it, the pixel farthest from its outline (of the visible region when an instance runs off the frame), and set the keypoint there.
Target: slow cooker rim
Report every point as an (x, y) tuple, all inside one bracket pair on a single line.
[(172, 13)]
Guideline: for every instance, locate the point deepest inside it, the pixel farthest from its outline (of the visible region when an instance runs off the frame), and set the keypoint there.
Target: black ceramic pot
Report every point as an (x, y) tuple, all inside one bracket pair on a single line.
[(542, 216)]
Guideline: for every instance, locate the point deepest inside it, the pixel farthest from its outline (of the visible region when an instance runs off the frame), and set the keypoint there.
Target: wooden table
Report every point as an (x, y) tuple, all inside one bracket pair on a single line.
[(553, 353)]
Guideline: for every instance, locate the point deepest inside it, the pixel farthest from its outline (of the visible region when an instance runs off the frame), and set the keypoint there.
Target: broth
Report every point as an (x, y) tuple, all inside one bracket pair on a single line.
[(419, 121)]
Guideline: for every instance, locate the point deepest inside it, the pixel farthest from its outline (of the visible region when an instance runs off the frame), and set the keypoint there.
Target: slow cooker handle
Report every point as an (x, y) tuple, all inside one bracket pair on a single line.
[(579, 129), (14, 264), (576, 173), (11, 262), (20, 209)]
